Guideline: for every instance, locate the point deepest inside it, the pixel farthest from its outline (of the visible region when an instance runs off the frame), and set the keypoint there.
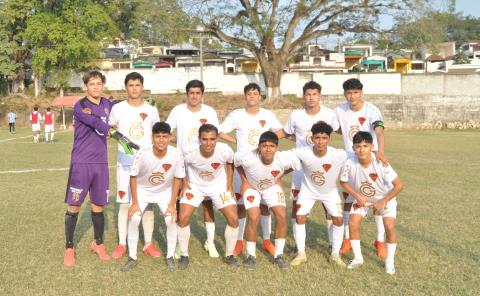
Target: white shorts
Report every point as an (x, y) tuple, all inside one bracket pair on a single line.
[(195, 198), (162, 205), (296, 184), (36, 127), (305, 202), (390, 209), (123, 184), (237, 183), (272, 197), (49, 128), (162, 198)]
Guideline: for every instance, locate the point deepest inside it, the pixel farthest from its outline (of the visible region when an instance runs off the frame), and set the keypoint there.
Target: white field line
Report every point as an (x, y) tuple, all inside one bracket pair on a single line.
[(39, 170), (56, 143), (26, 137)]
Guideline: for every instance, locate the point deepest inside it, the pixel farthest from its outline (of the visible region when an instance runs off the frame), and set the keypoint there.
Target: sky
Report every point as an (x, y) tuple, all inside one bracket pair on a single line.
[(469, 7)]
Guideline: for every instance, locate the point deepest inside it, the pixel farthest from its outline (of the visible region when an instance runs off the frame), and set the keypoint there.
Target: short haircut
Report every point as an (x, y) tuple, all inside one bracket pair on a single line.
[(161, 128), (251, 86), (35, 108), (312, 85), (352, 83), (48, 109), (93, 74), (207, 127), (362, 136), (268, 136), (133, 76), (321, 127), (195, 83)]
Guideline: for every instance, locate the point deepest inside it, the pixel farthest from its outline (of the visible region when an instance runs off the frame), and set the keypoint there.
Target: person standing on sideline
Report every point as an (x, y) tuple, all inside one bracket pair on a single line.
[(12, 118), (49, 119)]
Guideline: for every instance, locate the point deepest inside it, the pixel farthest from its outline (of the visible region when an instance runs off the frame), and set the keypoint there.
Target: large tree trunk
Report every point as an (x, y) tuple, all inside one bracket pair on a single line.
[(20, 80), (38, 85), (272, 75)]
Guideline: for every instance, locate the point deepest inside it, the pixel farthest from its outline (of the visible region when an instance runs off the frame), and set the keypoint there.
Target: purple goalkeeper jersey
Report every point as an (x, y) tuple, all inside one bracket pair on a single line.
[(91, 130)]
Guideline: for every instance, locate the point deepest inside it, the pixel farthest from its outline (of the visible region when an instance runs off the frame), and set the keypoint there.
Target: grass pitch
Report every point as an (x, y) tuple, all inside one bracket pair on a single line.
[(438, 251)]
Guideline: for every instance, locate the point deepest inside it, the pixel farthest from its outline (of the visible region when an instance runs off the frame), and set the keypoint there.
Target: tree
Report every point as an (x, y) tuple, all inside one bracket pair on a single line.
[(276, 30)]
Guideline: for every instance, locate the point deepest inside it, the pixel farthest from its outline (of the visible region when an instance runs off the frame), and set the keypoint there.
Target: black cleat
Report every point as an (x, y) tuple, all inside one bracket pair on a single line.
[(183, 262), (171, 264), (251, 262), (232, 261), (131, 263), (280, 262)]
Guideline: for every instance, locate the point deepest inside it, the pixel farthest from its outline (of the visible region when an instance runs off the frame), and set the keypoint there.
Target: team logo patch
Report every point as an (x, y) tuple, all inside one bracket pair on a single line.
[(206, 176), (309, 138), (157, 178), (238, 196), (87, 111), (166, 166), (121, 194), (318, 178), (367, 189), (275, 173), (136, 131), (253, 137), (76, 193), (373, 176), (361, 120), (251, 198), (203, 121), (326, 166), (353, 130), (264, 184), (262, 122), (295, 192), (215, 165), (189, 195), (143, 116)]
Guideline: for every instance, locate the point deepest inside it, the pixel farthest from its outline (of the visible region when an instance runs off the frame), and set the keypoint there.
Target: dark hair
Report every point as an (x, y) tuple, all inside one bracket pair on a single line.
[(312, 85), (362, 136), (35, 108), (268, 136), (133, 76), (161, 127), (352, 83), (207, 127), (93, 74), (321, 127), (195, 83), (251, 86), (48, 108)]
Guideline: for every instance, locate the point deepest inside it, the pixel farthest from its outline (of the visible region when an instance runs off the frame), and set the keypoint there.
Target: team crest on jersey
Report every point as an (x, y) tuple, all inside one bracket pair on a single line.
[(136, 131), (361, 120), (251, 198), (157, 178), (367, 189), (215, 165), (189, 195), (264, 184), (143, 115), (206, 176), (253, 137), (166, 167), (192, 134), (326, 166), (353, 130), (318, 178), (295, 192), (121, 194), (76, 193), (203, 121), (262, 122), (373, 176), (275, 173), (308, 138)]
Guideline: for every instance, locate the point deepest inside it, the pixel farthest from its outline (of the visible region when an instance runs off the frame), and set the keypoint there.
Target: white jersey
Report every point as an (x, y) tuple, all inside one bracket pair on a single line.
[(135, 123), (248, 128), (300, 124), (207, 174), (320, 174), (352, 122), (155, 175), (187, 122), (260, 175), (373, 182)]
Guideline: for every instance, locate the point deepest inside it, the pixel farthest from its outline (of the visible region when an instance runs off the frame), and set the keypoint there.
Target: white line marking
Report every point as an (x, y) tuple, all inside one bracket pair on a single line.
[(25, 137), (40, 170)]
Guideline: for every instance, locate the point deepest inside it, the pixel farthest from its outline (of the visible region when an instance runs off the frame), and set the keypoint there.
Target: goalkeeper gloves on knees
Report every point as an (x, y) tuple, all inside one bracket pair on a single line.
[(125, 142)]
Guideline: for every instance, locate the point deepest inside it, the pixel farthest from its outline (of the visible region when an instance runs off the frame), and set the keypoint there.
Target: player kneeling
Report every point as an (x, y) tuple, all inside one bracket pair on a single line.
[(205, 167), (321, 166), (372, 185), (155, 178)]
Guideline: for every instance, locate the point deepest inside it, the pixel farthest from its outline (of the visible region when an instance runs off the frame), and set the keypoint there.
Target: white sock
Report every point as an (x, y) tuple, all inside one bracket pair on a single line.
[(210, 228), (251, 248), (391, 248), (337, 238), (183, 239), (51, 136), (241, 228), (133, 235), (266, 225), (230, 239), (279, 245), (330, 231), (380, 228), (346, 220), (171, 236), (294, 224), (357, 250), (299, 234), (122, 223), (46, 137), (148, 221)]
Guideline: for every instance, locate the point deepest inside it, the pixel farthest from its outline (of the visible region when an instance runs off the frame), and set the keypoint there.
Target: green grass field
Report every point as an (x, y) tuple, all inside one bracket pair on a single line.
[(438, 251)]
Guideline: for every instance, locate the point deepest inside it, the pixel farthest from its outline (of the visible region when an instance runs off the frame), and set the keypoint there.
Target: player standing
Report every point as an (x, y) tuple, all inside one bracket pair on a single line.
[(35, 118), (12, 118), (49, 119)]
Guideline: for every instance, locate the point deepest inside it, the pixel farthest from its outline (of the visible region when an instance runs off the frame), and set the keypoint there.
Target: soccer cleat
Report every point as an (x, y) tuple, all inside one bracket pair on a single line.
[(389, 268), (299, 259), (131, 263), (381, 249), (212, 251), (171, 264), (100, 251), (232, 261), (151, 250), (346, 246), (183, 262), (69, 257), (294, 252), (355, 263), (268, 246), (280, 262), (120, 250), (238, 248), (337, 260), (251, 262)]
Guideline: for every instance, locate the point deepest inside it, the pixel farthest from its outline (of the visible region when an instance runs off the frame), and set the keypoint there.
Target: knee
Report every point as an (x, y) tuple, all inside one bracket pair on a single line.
[(232, 222), (337, 221), (301, 219), (389, 225), (254, 217), (183, 221), (136, 218), (280, 216)]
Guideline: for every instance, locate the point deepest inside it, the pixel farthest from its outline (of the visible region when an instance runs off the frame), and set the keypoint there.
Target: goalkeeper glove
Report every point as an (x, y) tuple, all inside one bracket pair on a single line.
[(125, 142)]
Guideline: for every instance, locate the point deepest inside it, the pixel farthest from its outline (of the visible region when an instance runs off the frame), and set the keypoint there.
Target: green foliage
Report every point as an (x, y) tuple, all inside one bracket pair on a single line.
[(461, 58)]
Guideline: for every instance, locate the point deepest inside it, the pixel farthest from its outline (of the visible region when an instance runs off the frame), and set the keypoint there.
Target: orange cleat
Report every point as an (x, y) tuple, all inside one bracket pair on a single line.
[(100, 251), (69, 257), (151, 250), (238, 248), (268, 246), (381, 250), (120, 250), (346, 246)]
